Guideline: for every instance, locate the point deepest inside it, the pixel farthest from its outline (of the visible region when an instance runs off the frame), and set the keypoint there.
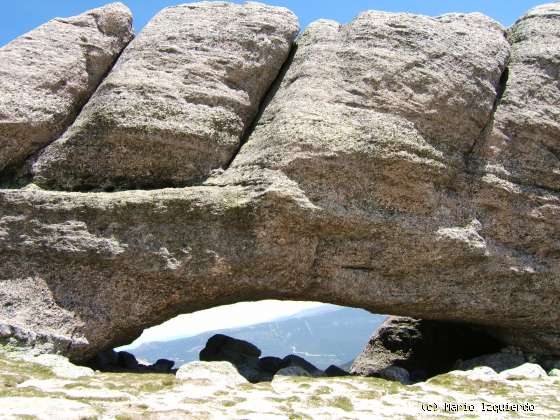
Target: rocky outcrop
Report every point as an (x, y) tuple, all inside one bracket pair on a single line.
[(177, 103), (48, 74), (122, 361), (241, 354), (246, 359), (31, 388), (421, 348), (395, 167)]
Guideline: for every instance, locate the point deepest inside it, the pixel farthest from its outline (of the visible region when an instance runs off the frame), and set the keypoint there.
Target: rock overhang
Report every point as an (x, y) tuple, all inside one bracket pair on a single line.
[(347, 190)]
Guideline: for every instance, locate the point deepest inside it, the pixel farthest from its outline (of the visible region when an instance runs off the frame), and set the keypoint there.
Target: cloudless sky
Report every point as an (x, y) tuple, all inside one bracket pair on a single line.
[(20, 16)]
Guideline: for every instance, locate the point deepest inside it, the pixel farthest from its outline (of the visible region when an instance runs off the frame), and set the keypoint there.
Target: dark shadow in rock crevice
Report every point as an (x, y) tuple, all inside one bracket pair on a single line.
[(267, 98)]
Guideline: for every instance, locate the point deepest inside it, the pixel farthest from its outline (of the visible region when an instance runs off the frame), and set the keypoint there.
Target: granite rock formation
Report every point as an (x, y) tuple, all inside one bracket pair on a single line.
[(177, 103), (423, 348), (246, 359), (48, 74), (403, 164)]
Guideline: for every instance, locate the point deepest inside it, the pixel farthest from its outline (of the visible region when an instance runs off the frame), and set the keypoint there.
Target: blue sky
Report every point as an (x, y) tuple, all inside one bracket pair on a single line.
[(20, 16)]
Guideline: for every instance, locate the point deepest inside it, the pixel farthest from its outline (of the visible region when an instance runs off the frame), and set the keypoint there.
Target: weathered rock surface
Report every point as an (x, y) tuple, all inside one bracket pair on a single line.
[(496, 361), (368, 181), (376, 117), (177, 103), (518, 169), (48, 74), (526, 371), (423, 348), (216, 390), (218, 373)]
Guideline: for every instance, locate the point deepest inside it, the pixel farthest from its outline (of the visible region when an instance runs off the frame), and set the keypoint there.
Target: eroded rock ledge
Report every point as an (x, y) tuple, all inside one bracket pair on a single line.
[(401, 163)]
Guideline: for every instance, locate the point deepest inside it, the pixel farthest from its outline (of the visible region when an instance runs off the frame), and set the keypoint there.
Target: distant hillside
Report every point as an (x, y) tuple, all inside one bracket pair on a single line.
[(324, 336)]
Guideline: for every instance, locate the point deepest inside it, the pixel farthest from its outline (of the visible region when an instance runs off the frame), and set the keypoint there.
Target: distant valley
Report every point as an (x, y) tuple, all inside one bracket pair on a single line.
[(325, 335)]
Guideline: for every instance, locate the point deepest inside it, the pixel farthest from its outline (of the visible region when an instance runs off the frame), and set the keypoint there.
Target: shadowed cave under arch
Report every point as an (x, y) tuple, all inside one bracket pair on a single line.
[(322, 339)]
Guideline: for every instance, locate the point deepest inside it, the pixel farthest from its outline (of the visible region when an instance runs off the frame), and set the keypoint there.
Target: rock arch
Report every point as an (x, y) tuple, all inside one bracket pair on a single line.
[(404, 164)]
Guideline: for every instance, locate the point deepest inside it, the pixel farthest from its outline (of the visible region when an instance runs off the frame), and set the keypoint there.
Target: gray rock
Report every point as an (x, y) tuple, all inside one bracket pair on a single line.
[(395, 373), (162, 366), (271, 364), (242, 354), (497, 361), (334, 371), (480, 373), (48, 74), (61, 367), (127, 361), (220, 374), (105, 360), (522, 148), (221, 347), (364, 183), (518, 169), (527, 371), (372, 118), (294, 371), (294, 360), (424, 348), (178, 101)]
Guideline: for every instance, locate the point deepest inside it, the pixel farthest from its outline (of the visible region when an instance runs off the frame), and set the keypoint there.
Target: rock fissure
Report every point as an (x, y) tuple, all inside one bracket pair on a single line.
[(263, 104), (470, 157), (35, 114), (21, 175)]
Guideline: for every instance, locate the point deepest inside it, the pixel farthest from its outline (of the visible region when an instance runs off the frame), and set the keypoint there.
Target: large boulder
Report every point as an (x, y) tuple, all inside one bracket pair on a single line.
[(240, 353), (177, 103), (526, 371), (220, 374), (497, 361), (423, 348), (375, 118), (222, 347), (294, 360), (369, 180), (48, 74)]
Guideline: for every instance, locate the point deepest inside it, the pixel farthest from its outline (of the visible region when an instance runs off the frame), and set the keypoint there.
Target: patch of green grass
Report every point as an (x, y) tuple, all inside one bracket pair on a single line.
[(304, 386), (13, 366), (293, 415), (292, 399), (341, 402), (195, 401), (472, 387), (315, 401), (221, 393), (369, 395), (323, 390)]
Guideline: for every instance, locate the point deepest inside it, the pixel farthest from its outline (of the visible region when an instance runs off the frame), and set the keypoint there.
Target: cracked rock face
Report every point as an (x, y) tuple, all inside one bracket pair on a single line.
[(178, 101), (398, 165), (48, 74)]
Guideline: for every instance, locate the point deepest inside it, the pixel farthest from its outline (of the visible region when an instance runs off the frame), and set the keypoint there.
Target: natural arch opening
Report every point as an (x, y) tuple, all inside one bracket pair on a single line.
[(265, 338), (321, 334)]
